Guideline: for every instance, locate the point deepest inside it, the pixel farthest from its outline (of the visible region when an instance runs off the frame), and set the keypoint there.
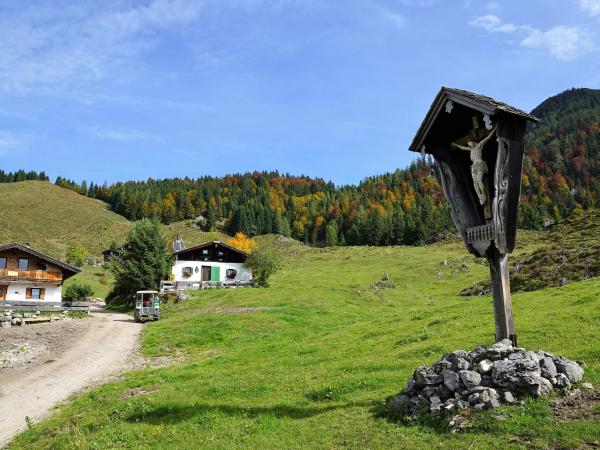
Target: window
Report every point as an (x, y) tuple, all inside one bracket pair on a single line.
[(23, 264), (187, 272), (2, 263), (231, 273), (35, 293), (205, 252)]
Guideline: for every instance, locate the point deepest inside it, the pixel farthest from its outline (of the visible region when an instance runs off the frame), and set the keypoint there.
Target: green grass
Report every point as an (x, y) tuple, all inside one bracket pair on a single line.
[(312, 364), (51, 219), (99, 278)]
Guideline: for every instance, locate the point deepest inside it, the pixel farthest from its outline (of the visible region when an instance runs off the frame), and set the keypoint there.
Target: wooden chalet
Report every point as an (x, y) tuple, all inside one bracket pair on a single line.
[(28, 274)]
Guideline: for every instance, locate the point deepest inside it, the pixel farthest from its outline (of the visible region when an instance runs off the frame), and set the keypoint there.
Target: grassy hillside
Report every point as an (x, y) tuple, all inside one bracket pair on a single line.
[(308, 362), (569, 252), (51, 218)]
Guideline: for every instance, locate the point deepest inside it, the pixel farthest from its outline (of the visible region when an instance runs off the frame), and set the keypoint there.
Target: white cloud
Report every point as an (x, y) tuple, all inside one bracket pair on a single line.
[(10, 143), (563, 42), (123, 135), (592, 7), (493, 24), (47, 48), (398, 20)]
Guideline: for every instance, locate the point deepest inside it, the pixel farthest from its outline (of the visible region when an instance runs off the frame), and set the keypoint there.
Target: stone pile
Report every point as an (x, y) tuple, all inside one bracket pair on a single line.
[(10, 318), (483, 378)]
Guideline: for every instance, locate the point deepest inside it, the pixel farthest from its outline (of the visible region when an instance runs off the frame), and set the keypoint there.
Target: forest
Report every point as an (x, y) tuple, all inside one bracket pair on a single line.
[(561, 173)]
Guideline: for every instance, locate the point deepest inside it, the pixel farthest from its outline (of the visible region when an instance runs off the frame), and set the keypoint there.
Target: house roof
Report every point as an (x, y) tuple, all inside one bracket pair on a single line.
[(71, 270), (482, 103), (208, 244)]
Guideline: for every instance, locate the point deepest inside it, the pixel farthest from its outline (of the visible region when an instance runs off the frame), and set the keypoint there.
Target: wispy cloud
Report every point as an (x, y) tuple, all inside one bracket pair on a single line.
[(592, 7), (563, 42), (11, 143), (396, 19), (122, 135), (419, 3), (47, 47)]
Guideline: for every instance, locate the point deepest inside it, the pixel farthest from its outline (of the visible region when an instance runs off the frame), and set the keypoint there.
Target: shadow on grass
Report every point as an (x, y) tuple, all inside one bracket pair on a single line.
[(175, 414)]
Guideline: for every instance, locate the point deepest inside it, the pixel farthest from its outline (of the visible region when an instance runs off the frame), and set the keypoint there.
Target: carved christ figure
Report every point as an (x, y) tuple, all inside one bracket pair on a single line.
[(478, 167)]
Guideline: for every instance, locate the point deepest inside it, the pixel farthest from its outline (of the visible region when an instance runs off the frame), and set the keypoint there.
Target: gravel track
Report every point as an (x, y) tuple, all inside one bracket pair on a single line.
[(42, 364)]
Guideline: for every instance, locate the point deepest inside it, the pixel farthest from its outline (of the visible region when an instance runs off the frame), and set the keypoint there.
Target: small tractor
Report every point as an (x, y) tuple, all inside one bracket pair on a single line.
[(147, 306)]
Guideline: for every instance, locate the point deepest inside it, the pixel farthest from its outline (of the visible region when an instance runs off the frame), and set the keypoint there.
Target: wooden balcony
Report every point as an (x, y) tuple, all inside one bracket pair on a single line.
[(34, 276)]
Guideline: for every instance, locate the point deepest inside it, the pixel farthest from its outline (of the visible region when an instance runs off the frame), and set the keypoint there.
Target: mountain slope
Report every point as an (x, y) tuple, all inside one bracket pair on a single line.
[(51, 218), (562, 165)]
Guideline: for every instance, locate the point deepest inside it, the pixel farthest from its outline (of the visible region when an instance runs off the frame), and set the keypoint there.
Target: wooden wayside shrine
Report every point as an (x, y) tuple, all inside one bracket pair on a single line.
[(478, 145)]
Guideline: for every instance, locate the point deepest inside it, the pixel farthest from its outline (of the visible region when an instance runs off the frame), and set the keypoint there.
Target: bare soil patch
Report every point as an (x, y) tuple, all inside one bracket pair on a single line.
[(35, 344), (583, 404)]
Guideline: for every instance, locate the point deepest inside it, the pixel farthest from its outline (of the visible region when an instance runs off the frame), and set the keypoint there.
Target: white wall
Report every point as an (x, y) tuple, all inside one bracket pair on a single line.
[(243, 272), (18, 292)]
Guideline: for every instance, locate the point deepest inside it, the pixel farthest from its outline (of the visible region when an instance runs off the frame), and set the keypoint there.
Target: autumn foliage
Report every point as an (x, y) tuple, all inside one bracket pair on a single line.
[(242, 242)]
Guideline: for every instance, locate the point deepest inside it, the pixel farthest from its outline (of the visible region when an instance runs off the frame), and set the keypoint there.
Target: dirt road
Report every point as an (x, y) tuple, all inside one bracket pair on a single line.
[(83, 353)]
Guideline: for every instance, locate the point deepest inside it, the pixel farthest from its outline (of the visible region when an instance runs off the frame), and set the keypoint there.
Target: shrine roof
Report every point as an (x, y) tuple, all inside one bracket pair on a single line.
[(478, 102)]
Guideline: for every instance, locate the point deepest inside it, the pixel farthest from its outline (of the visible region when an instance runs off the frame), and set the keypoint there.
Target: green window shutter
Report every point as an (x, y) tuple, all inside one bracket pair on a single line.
[(215, 273)]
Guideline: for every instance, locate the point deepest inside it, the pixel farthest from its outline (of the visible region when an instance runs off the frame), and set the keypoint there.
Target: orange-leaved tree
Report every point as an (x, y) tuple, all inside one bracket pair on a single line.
[(242, 242)]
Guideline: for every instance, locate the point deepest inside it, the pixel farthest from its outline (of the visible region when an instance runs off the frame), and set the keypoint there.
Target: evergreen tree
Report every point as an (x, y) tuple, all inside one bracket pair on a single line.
[(141, 263)]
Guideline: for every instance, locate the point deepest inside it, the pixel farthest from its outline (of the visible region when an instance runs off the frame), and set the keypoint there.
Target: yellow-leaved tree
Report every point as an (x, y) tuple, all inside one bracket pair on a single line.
[(242, 242)]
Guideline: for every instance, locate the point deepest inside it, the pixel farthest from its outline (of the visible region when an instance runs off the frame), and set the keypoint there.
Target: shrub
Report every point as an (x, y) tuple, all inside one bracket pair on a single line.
[(76, 255), (263, 263), (78, 292)]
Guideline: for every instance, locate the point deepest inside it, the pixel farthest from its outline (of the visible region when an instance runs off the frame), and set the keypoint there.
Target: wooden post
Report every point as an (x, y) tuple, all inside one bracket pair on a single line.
[(505, 328)]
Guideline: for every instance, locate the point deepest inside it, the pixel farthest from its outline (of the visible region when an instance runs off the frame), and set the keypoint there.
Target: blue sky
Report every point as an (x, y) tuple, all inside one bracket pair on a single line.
[(120, 89)]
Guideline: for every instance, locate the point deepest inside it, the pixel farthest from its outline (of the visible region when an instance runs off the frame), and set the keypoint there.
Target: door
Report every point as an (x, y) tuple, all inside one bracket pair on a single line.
[(3, 290), (215, 273), (205, 273)]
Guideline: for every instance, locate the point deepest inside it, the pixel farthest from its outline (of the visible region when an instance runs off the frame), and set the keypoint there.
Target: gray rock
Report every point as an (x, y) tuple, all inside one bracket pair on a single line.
[(505, 345), (534, 356), (571, 369), (424, 376), (434, 400), (451, 380), (461, 364), (474, 398), (588, 386), (493, 403), (488, 394), (485, 366), (508, 397), (562, 381), (399, 402), (479, 406), (470, 378), (548, 367), (461, 404), (543, 387), (410, 388)]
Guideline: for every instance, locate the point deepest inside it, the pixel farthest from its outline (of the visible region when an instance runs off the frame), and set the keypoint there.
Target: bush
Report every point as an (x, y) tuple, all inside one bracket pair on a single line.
[(263, 263), (78, 292), (76, 255)]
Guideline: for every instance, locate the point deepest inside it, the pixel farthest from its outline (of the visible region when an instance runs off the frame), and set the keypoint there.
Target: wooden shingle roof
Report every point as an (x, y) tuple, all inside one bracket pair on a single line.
[(482, 103)]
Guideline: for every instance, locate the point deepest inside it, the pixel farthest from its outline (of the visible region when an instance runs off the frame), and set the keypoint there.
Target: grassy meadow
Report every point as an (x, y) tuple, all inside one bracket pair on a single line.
[(309, 362)]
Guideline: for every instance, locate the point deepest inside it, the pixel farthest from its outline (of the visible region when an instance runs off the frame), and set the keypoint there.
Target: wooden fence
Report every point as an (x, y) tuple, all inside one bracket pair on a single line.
[(43, 305)]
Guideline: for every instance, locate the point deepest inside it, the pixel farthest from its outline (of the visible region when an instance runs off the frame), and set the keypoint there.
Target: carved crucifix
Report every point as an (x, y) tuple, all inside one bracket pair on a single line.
[(479, 167)]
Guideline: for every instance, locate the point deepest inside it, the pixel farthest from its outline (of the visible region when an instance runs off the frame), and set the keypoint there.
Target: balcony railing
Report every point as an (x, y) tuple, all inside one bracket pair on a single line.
[(40, 276)]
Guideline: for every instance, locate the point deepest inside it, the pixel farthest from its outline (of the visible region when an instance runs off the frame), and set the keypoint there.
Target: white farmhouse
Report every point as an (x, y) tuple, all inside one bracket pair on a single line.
[(209, 264), (27, 274)]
